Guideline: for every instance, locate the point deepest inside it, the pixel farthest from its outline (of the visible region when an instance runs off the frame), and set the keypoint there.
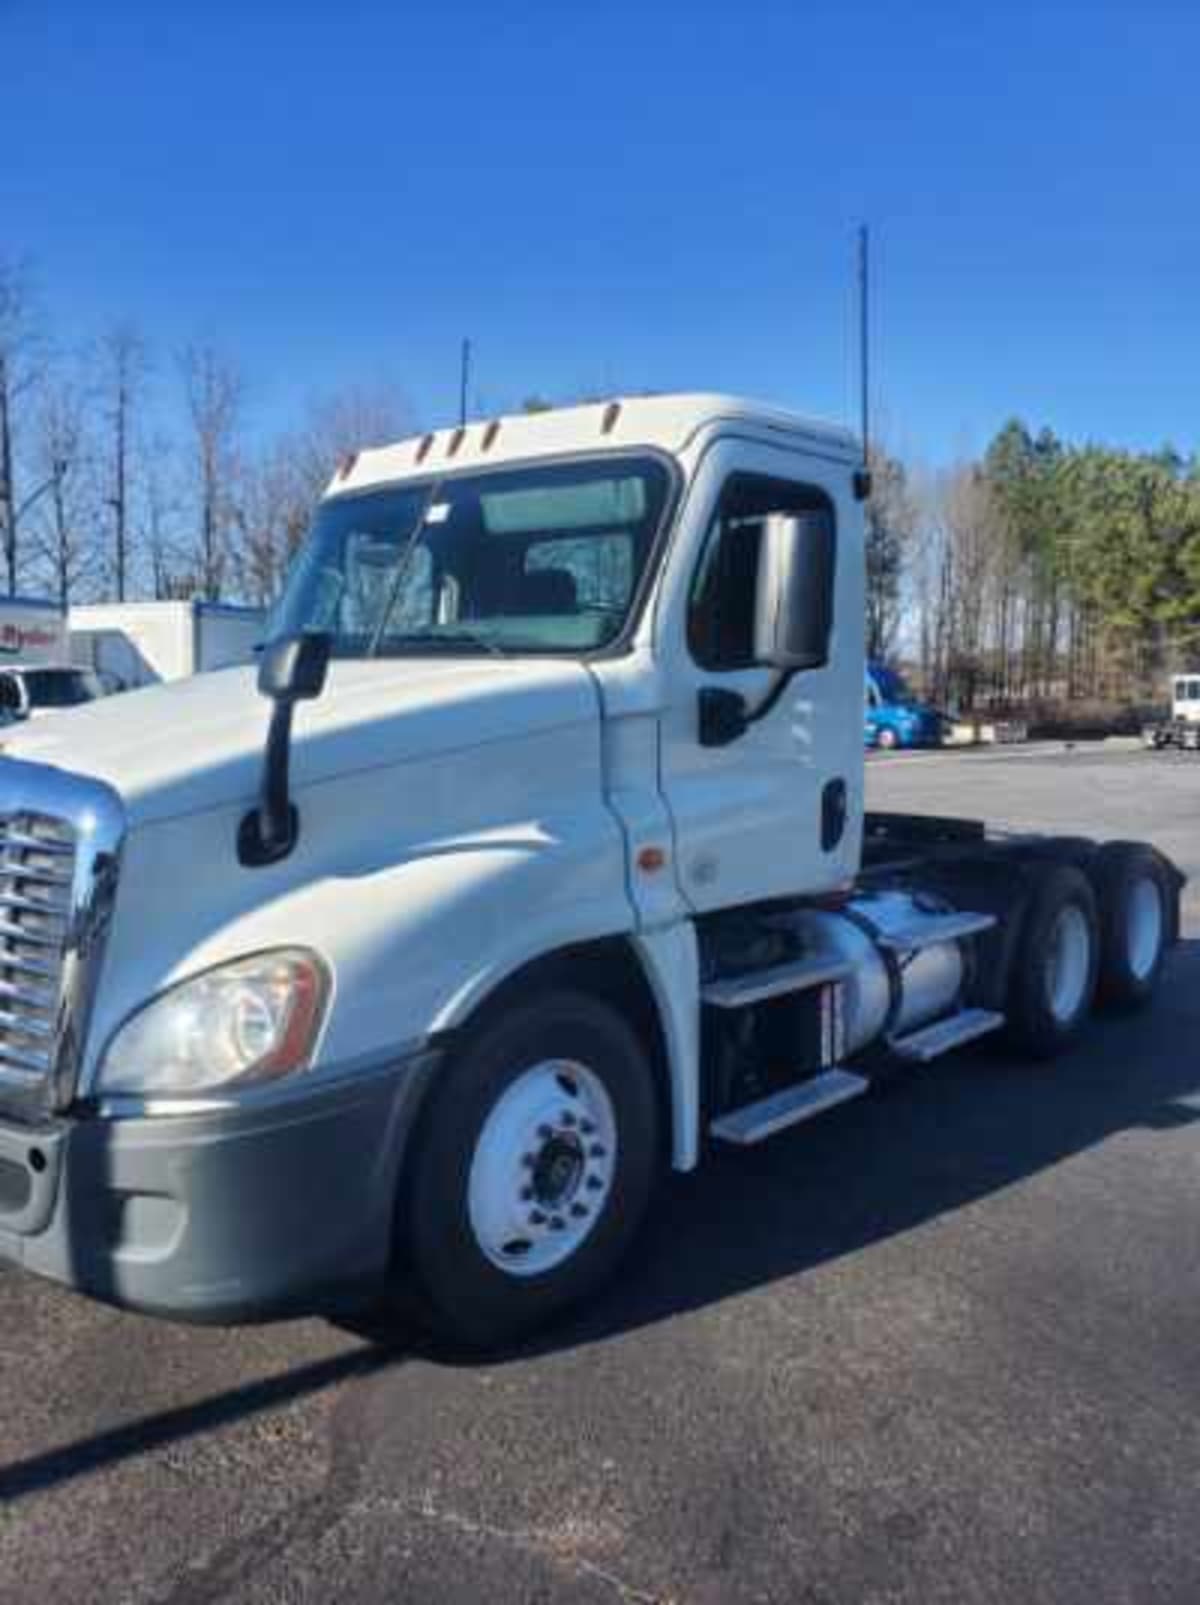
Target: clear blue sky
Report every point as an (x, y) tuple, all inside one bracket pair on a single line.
[(622, 196)]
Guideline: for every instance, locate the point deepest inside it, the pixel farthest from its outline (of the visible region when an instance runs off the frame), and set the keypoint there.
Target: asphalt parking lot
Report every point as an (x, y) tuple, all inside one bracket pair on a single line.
[(939, 1346)]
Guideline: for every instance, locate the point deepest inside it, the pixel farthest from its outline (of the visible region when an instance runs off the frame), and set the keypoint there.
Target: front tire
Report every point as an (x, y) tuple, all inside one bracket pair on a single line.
[(887, 740), (532, 1168)]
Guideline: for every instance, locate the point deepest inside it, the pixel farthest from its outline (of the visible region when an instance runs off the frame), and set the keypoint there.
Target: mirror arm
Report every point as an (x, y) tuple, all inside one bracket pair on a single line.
[(268, 832), (290, 670), (724, 716), (780, 684)]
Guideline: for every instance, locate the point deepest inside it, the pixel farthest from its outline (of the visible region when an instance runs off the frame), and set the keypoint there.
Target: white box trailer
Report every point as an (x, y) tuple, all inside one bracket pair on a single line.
[(36, 674), (32, 630), (143, 643)]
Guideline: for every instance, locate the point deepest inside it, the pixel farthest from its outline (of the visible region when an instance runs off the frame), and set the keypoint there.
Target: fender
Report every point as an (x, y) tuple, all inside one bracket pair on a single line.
[(419, 926)]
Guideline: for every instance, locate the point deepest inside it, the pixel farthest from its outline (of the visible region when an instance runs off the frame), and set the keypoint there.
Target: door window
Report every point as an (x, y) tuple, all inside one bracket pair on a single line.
[(721, 605)]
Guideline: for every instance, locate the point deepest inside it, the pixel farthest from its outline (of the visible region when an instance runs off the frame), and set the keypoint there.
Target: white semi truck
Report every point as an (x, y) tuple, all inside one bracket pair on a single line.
[(542, 866), (1182, 729)]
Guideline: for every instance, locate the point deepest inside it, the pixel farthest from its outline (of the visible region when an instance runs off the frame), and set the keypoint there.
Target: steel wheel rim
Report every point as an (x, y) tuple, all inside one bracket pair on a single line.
[(543, 1167), (1144, 927), (1068, 963)]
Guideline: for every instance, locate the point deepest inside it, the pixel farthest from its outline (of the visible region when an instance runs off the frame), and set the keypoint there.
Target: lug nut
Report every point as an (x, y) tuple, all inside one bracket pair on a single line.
[(587, 1127), (557, 1223), (596, 1151), (578, 1210), (567, 1118), (537, 1217), (594, 1183), (526, 1194)]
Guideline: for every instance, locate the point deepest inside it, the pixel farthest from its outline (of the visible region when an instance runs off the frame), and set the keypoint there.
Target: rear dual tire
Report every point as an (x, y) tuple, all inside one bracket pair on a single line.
[(1102, 937), (1053, 979), (1135, 895)]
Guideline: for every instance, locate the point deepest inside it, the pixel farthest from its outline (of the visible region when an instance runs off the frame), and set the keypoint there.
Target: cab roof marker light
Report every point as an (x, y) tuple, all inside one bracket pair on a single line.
[(424, 448), (611, 413), (346, 465), (456, 440), (489, 435)]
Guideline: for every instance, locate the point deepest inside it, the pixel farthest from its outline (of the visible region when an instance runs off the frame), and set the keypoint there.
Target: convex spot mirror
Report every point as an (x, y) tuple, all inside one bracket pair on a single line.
[(793, 616)]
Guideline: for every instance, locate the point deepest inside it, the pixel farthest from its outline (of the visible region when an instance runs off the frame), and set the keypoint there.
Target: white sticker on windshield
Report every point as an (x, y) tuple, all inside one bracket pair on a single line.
[(438, 513)]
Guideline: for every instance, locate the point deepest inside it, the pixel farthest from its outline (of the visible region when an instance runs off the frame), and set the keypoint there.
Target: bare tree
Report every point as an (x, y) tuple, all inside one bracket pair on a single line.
[(283, 485), (123, 363), (159, 501), (61, 532), (18, 375), (212, 393)]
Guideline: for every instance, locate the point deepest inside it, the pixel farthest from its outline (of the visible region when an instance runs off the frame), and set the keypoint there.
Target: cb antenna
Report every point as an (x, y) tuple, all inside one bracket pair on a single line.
[(464, 376), (862, 479)]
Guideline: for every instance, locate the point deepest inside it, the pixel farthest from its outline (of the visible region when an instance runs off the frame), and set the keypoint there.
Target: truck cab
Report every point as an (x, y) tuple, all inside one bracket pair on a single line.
[(1182, 728), (894, 717), (530, 860), (1185, 699)]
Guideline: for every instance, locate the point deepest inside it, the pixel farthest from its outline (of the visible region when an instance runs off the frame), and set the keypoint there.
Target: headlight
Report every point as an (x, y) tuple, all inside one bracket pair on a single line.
[(251, 1021)]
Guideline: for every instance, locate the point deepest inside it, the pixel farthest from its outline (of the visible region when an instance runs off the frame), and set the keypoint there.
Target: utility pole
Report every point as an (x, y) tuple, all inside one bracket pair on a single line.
[(118, 500), (464, 374), (864, 340), (8, 491)]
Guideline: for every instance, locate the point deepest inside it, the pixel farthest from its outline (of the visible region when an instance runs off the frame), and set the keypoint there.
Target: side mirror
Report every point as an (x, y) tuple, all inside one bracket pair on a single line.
[(293, 668), (793, 617), (290, 670)]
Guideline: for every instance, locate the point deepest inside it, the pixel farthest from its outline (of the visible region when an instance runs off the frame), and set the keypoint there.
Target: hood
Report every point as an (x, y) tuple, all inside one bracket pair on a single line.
[(198, 743)]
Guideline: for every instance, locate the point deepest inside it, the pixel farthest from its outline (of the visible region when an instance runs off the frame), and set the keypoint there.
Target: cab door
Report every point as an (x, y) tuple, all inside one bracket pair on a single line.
[(776, 811)]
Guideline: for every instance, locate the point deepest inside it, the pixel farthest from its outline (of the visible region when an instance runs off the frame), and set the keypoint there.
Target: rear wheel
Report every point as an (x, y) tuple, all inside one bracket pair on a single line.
[(533, 1168), (1135, 922), (1054, 971)]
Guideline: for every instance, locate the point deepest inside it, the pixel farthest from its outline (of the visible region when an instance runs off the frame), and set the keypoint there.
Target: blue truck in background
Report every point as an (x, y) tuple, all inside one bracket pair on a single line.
[(894, 717)]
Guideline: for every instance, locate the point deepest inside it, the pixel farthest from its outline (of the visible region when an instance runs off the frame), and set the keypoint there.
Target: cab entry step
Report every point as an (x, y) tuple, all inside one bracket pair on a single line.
[(757, 1121), (756, 986)]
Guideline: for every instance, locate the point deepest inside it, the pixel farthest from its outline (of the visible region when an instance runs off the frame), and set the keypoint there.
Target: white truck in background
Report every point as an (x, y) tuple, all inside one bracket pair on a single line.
[(36, 671), (532, 860), (1182, 729), (143, 643)]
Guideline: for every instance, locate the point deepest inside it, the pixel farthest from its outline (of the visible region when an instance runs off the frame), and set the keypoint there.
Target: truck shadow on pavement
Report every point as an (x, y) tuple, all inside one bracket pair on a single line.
[(932, 1142)]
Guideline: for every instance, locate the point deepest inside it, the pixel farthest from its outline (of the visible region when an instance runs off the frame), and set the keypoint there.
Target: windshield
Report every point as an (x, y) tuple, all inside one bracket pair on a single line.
[(61, 688), (543, 559), (889, 684)]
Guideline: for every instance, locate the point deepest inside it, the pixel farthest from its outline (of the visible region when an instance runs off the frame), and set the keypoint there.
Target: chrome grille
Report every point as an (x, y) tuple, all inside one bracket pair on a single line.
[(37, 872), (61, 837)]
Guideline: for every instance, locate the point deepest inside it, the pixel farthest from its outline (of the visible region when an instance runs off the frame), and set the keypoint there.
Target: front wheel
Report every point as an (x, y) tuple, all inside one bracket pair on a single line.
[(533, 1168), (887, 740)]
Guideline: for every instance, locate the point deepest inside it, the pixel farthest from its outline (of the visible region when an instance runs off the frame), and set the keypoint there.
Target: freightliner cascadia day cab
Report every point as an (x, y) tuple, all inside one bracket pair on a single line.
[(531, 860)]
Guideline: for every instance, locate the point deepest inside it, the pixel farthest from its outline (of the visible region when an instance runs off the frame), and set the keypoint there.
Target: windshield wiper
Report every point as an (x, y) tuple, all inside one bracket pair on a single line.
[(402, 563), (446, 639)]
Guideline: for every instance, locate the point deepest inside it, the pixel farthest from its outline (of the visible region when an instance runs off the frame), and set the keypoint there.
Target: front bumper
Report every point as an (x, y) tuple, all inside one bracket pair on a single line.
[(278, 1204)]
